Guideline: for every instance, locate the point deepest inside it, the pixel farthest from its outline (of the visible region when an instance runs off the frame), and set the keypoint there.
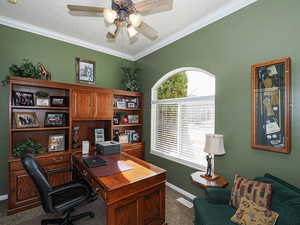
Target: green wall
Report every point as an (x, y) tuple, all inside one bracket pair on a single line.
[(59, 58), (265, 30)]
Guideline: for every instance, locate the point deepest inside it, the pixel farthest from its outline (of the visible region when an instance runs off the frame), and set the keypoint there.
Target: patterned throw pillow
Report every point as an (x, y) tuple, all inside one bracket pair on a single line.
[(250, 213), (258, 192)]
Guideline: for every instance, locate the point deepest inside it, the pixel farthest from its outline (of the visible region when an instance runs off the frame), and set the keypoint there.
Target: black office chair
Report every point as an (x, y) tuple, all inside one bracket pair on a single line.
[(61, 199)]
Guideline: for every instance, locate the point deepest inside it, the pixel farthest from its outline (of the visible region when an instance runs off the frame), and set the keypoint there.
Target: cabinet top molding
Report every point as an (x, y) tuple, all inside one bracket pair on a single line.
[(54, 84)]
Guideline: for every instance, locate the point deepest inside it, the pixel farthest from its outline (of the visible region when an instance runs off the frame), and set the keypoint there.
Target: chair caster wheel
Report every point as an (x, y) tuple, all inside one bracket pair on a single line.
[(91, 214)]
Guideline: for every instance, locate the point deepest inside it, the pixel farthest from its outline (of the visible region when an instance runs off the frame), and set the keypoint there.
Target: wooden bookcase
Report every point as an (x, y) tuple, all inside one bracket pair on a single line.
[(88, 108)]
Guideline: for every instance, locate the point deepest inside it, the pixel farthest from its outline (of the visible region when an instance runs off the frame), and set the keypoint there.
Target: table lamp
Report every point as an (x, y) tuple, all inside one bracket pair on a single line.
[(214, 145)]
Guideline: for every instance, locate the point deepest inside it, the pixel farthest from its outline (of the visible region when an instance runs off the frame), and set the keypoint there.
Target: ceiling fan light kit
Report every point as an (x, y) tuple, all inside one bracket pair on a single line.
[(131, 31), (110, 15), (125, 12)]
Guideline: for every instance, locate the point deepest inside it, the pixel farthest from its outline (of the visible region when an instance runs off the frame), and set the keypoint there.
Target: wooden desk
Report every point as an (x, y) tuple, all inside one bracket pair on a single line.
[(132, 197)]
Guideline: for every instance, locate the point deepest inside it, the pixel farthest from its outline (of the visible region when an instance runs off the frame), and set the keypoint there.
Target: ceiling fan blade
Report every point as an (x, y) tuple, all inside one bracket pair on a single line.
[(85, 8), (85, 13), (154, 6), (147, 31)]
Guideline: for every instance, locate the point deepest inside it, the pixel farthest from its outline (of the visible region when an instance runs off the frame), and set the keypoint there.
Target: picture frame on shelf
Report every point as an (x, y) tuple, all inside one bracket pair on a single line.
[(26, 120), (123, 139), (55, 119), (116, 121), (42, 99), (121, 105), (22, 98), (131, 105), (99, 135), (56, 143), (58, 101), (270, 94), (133, 118), (85, 71)]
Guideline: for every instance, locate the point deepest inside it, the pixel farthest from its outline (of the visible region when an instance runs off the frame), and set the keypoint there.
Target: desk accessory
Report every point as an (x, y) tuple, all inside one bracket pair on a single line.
[(85, 147), (92, 162), (214, 145), (108, 148)]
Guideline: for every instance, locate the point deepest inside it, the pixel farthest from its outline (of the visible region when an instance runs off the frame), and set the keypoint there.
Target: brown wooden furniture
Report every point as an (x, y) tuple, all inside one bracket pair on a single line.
[(204, 183), (267, 97), (132, 197), (88, 107)]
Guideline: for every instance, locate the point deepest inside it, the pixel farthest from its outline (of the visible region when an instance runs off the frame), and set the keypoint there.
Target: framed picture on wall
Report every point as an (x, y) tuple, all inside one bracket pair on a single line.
[(271, 121), (85, 71)]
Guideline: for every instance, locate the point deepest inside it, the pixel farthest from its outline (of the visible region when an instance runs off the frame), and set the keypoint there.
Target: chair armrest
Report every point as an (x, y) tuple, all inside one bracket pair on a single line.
[(70, 187), (218, 195)]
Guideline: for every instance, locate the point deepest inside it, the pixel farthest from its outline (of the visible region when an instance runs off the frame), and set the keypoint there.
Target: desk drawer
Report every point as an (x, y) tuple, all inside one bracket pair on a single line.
[(43, 161), (91, 180)]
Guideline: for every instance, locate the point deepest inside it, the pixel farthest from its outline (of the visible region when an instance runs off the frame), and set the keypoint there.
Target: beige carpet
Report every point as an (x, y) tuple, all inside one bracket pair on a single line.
[(176, 213)]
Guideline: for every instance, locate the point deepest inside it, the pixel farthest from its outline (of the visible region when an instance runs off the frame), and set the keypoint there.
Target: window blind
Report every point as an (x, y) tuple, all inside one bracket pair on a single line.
[(180, 126)]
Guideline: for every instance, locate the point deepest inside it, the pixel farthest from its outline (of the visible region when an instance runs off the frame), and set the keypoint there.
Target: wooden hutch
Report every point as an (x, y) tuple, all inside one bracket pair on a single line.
[(88, 107)]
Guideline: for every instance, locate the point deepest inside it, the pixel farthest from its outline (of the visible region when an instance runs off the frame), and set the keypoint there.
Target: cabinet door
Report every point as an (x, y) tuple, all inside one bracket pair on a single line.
[(103, 105), (23, 192), (83, 105)]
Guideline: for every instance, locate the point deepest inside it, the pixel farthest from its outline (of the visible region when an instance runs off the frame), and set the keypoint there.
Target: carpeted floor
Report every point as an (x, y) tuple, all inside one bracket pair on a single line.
[(176, 213)]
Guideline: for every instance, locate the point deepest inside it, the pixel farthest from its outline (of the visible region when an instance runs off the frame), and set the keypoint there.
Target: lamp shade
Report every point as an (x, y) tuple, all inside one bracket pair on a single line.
[(214, 144)]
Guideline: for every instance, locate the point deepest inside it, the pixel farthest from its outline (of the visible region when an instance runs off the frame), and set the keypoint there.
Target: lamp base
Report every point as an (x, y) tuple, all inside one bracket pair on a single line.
[(210, 178)]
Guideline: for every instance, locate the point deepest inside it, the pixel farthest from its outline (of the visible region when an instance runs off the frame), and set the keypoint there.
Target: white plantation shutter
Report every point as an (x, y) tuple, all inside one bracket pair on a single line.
[(179, 127)]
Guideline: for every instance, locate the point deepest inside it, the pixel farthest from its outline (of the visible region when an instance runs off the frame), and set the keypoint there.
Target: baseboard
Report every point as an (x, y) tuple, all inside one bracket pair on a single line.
[(181, 191), (3, 197)]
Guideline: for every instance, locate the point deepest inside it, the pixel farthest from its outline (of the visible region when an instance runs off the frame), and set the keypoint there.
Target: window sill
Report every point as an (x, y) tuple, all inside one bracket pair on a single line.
[(179, 161)]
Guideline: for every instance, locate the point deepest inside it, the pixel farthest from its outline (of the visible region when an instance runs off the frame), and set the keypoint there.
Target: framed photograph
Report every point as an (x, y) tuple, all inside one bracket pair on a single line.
[(133, 118), (55, 119), (42, 101), (85, 71), (131, 105), (99, 135), (21, 98), (26, 119), (123, 138), (121, 105), (271, 120), (58, 101), (56, 143), (116, 121)]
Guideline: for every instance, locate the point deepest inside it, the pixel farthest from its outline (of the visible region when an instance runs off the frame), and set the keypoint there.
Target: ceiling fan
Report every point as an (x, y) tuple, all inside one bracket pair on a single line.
[(125, 13)]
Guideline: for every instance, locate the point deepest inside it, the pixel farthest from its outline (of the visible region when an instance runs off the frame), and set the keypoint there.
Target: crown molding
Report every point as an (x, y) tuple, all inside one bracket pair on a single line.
[(203, 22), (61, 37)]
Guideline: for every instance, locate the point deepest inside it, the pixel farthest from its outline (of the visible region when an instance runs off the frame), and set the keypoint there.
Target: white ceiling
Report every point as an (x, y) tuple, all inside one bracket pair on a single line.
[(51, 18)]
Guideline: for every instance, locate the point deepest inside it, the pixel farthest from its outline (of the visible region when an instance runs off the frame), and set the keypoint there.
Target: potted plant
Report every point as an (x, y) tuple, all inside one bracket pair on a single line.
[(28, 70), (130, 81), (28, 146)]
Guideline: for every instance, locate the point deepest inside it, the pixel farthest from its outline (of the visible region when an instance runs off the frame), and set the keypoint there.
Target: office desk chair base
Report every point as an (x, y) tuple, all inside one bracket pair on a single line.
[(67, 219)]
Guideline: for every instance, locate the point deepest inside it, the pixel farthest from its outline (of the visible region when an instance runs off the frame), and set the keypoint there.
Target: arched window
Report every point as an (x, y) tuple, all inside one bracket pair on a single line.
[(183, 111)]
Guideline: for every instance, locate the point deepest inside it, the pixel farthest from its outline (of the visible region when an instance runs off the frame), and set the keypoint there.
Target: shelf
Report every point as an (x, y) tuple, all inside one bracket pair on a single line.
[(128, 109), (39, 107), (39, 129), (129, 125)]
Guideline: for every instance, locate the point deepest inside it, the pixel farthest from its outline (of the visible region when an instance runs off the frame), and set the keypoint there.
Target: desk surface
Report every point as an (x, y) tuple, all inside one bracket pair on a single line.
[(132, 197), (141, 170)]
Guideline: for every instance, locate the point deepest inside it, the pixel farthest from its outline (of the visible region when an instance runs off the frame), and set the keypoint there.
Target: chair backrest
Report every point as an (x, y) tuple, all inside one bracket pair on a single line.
[(40, 180)]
